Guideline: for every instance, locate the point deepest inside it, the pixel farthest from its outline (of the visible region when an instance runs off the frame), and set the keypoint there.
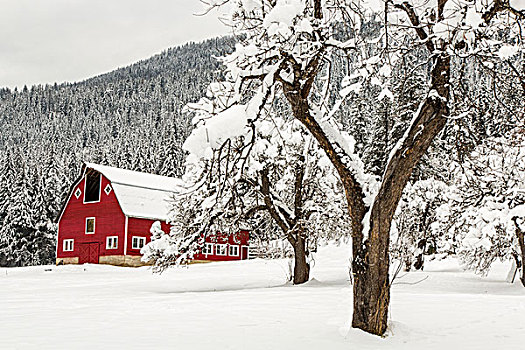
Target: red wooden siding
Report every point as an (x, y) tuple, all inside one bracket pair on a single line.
[(109, 221)]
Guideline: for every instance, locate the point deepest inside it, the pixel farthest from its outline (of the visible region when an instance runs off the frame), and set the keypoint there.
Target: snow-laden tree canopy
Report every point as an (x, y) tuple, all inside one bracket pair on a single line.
[(273, 180), (488, 210), (289, 42), (284, 56)]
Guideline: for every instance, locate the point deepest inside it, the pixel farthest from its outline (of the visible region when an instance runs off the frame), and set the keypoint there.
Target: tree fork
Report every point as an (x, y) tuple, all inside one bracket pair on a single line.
[(372, 281), (371, 255)]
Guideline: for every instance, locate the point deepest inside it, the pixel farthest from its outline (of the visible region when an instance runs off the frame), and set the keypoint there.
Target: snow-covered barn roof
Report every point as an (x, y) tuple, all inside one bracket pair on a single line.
[(139, 194)]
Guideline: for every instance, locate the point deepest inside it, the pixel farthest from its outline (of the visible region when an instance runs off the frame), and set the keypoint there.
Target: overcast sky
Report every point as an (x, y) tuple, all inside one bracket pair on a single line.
[(47, 41)]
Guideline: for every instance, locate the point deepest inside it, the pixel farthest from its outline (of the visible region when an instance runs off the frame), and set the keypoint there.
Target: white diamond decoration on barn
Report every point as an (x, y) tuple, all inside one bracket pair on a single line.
[(78, 192), (107, 189)]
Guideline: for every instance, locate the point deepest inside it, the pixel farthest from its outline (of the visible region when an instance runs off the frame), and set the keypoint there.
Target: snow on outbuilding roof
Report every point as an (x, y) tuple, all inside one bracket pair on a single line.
[(140, 195)]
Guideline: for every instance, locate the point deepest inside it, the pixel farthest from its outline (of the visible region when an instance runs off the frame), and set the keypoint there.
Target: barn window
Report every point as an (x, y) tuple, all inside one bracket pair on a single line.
[(208, 249), (111, 242), (92, 187), (68, 245), (90, 226), (233, 250), (221, 249), (138, 242), (107, 189), (78, 192)]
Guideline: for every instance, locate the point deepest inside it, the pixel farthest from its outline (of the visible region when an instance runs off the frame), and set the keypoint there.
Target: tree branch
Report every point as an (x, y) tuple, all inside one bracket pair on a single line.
[(272, 209), (414, 19)]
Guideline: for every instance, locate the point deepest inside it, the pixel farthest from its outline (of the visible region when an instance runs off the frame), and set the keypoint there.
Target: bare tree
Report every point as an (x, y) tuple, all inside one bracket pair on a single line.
[(286, 48), (274, 173)]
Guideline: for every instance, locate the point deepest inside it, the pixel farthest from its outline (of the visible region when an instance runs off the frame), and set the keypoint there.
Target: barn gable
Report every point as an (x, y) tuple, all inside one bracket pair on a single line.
[(140, 195)]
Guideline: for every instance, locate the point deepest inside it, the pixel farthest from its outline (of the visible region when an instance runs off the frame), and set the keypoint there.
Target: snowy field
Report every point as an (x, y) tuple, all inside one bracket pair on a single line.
[(249, 305)]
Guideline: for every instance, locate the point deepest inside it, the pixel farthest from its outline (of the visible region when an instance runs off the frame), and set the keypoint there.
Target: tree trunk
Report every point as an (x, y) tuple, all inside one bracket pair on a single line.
[(301, 270), (372, 281), (521, 243), (371, 254)]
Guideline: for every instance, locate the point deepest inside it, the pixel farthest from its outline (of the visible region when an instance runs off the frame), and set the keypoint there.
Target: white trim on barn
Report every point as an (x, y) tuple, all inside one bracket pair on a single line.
[(56, 239), (99, 190), (107, 189), (126, 237), (207, 251), (94, 225), (221, 249), (247, 252), (237, 248), (141, 242), (109, 242), (66, 245)]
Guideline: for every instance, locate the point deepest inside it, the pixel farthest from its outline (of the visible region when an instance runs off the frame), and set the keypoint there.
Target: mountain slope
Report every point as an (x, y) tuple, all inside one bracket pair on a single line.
[(130, 118)]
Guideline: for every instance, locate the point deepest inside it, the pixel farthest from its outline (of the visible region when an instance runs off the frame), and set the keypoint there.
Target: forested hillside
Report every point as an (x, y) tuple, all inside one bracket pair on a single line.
[(130, 118)]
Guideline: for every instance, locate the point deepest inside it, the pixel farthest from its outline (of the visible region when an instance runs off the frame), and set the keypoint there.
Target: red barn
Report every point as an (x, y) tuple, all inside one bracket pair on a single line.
[(109, 213)]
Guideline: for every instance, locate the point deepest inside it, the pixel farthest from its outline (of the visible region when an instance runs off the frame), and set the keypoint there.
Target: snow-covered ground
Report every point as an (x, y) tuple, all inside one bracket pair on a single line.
[(249, 305)]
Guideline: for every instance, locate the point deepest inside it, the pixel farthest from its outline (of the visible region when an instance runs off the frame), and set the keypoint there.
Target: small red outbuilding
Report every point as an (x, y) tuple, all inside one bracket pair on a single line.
[(109, 213)]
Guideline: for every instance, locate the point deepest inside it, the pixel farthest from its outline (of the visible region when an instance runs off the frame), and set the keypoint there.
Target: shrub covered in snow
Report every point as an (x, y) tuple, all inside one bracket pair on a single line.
[(416, 231), (488, 212)]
